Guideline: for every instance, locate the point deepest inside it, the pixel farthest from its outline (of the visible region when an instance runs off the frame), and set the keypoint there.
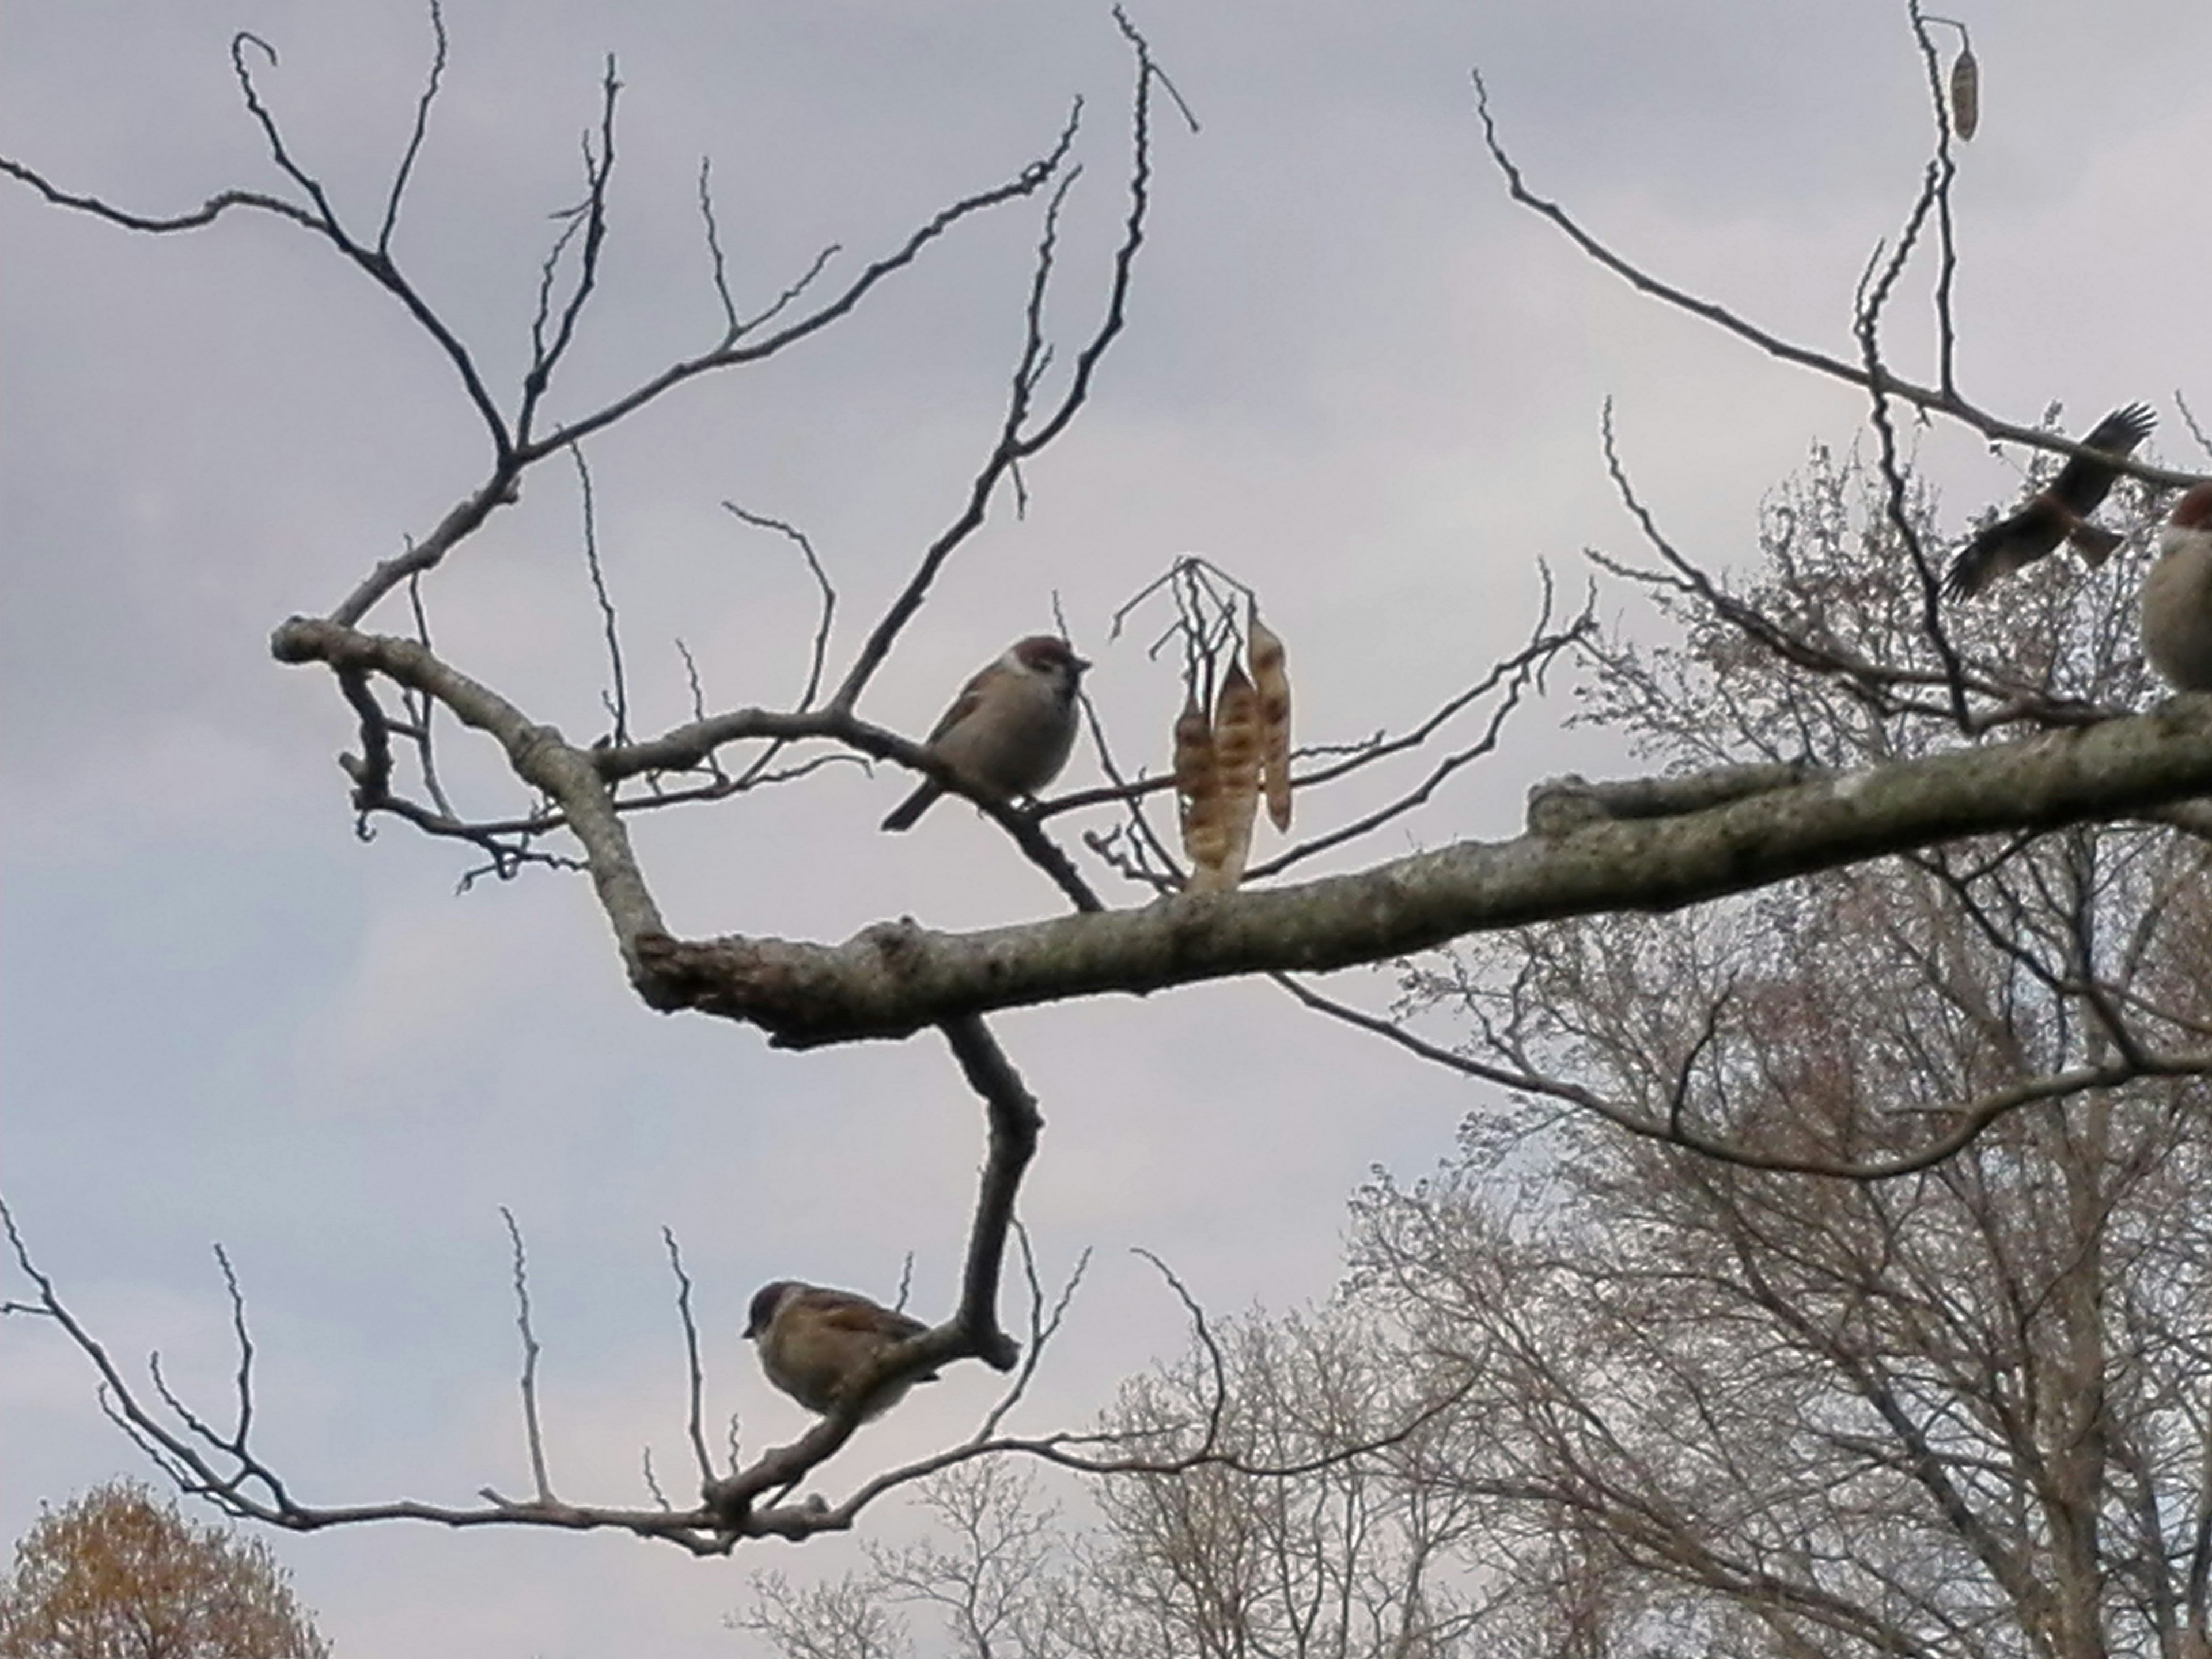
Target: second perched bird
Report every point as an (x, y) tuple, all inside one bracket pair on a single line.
[(2059, 512), (1011, 728), (2177, 595), (815, 1342)]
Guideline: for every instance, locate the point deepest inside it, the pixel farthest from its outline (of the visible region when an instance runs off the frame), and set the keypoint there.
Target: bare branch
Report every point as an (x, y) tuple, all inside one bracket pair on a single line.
[(1946, 171), (797, 537), (415, 138), (1518, 674), (538, 754), (577, 778), (1874, 295), (591, 217), (1043, 1326), (730, 354), (973, 1331), (893, 978), (466, 517), (206, 213), (2196, 427), (1938, 402), (695, 1373), (618, 703), (532, 1427), (730, 325), (1969, 1121), (1019, 442), (244, 1339), (376, 262), (1015, 1124)]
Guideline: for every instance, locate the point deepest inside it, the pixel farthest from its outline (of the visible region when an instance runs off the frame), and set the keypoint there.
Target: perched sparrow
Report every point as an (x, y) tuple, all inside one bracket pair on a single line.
[(2177, 595), (813, 1342), (2058, 513), (1010, 729)]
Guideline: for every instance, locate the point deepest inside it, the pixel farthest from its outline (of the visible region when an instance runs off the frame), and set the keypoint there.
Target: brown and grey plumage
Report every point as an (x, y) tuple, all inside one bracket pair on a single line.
[(2177, 595), (816, 1342), (2059, 512), (1010, 730)]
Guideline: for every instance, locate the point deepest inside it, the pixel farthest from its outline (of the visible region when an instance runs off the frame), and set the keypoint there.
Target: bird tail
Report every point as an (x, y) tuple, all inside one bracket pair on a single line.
[(902, 816)]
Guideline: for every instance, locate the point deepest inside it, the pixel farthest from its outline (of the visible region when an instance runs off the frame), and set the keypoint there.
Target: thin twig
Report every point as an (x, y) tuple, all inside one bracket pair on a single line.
[(715, 249), (530, 1352), (414, 139), (694, 1371)]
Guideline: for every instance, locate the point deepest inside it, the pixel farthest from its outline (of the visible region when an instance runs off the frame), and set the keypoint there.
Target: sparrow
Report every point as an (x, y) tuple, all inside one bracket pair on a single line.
[(1011, 728), (815, 1341), (2059, 512), (2177, 594)]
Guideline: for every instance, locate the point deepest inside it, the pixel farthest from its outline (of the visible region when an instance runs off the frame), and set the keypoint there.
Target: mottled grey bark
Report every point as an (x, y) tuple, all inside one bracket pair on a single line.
[(896, 978)]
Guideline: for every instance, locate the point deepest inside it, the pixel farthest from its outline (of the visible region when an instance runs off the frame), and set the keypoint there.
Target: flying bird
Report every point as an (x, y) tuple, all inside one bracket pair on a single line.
[(2059, 512), (2177, 595), (814, 1343), (1011, 728)]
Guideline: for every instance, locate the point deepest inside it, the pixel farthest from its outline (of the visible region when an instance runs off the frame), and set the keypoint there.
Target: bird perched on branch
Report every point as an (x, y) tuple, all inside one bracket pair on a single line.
[(2177, 595), (2059, 512), (815, 1342), (1011, 728)]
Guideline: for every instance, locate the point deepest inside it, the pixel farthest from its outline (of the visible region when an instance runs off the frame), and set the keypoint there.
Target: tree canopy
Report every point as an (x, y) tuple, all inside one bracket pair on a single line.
[(116, 1574)]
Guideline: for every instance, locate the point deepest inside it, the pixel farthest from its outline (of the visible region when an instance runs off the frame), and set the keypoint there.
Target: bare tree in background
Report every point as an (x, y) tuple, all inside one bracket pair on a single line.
[(994, 1573), (1997, 748), (1298, 1539), (1956, 1405), (1699, 1401)]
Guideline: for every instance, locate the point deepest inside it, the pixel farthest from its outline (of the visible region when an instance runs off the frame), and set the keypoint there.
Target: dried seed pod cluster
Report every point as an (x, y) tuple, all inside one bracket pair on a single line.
[(1198, 787), (1965, 94), (1271, 676), (1222, 763), (1236, 770)]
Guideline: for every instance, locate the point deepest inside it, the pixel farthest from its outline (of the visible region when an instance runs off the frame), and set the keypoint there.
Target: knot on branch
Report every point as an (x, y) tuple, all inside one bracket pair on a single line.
[(756, 981), (1559, 806), (894, 942), (802, 995), (297, 640), (671, 974)]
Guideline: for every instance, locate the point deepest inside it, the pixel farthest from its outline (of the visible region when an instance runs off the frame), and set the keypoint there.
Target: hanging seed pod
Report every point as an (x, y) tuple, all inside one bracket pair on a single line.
[(1965, 94), (1236, 763), (1198, 790), (1271, 676)]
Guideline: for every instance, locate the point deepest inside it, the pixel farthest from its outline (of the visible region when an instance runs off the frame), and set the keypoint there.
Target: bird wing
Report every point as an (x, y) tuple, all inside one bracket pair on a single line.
[(2083, 483), (962, 706), (2003, 547), (2054, 513), (841, 1311)]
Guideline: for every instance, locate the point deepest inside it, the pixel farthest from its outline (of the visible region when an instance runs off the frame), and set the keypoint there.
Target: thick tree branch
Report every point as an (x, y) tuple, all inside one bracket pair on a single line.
[(227, 1470), (973, 1330), (581, 779), (893, 978), (538, 754), (1015, 1125)]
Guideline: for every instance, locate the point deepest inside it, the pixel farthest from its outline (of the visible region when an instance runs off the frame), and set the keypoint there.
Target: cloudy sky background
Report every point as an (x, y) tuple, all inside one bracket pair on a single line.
[(1355, 374)]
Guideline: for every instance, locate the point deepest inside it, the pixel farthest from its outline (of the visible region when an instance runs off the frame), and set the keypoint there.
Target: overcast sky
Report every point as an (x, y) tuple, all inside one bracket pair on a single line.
[(1355, 374)]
